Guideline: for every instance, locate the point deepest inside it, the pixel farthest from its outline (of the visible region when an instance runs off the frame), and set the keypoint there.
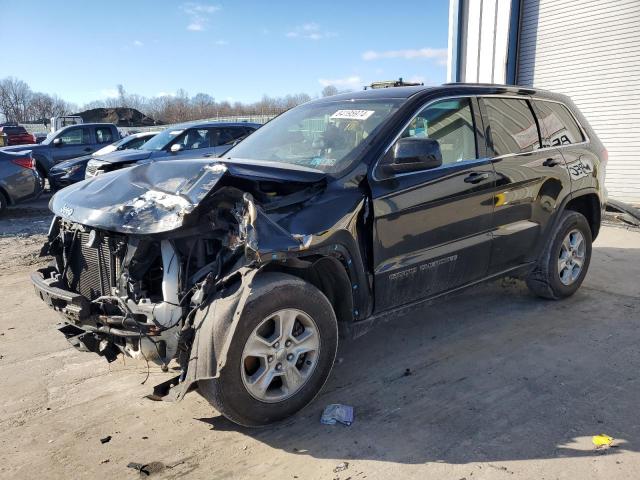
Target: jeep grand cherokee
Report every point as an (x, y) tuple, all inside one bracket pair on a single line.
[(331, 216)]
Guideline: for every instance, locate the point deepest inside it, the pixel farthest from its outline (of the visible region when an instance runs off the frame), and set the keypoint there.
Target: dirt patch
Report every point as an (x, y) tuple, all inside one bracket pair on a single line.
[(22, 232)]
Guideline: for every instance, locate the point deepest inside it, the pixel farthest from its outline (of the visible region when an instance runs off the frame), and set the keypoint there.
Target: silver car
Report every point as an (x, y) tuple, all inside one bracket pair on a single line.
[(19, 179)]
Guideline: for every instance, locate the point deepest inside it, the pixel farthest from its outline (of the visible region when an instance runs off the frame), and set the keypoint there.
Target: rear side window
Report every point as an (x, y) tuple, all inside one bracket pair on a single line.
[(14, 130), (104, 135), (450, 122), (512, 125), (136, 143), (557, 125), (229, 135)]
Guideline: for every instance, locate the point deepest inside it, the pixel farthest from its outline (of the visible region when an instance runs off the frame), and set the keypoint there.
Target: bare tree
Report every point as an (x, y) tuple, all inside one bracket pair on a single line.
[(329, 91), (15, 96)]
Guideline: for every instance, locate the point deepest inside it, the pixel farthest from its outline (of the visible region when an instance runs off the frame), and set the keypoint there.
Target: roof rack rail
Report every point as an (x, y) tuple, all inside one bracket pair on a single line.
[(477, 84), (392, 83)]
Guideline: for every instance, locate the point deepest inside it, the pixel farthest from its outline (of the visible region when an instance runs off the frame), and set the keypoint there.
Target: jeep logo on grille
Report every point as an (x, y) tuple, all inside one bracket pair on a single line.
[(66, 210)]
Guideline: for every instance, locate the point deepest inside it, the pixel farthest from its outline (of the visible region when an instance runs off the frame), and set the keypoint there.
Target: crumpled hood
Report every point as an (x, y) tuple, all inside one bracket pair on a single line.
[(126, 156), (155, 197)]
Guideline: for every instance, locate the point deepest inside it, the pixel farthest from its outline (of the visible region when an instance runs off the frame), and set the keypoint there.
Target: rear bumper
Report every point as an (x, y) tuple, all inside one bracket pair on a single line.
[(22, 185)]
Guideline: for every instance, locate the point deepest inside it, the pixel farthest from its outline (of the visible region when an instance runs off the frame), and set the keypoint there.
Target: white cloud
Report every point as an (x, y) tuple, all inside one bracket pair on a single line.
[(199, 15), (137, 43), (310, 31), (221, 42), (437, 54), (352, 81)]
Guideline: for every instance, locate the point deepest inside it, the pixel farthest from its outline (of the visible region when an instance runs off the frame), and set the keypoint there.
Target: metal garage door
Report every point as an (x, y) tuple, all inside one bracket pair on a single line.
[(590, 50)]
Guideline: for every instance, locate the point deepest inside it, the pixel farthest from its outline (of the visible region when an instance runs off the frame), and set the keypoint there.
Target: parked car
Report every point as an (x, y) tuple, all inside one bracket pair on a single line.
[(189, 140), (338, 213), (15, 134), (73, 170), (69, 142), (19, 180)]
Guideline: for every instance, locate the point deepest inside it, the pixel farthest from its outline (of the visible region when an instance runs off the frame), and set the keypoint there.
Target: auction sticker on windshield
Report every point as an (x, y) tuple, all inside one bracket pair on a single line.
[(353, 114)]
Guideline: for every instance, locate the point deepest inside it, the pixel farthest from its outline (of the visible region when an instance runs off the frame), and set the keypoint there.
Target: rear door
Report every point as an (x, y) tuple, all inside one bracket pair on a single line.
[(75, 142), (531, 178), (432, 228)]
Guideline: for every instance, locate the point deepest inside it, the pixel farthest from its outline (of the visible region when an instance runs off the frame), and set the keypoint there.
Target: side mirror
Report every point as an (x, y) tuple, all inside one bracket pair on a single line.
[(57, 142), (412, 154), (176, 147)]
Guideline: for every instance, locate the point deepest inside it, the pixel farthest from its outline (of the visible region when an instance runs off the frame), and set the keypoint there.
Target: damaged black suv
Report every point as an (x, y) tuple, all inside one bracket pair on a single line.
[(333, 215)]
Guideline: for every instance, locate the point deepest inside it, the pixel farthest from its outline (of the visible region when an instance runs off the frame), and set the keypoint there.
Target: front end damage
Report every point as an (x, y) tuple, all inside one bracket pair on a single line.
[(156, 261)]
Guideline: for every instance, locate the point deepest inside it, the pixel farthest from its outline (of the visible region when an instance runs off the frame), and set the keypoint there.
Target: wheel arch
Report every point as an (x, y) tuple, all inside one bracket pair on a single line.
[(588, 204), (328, 275), (5, 195)]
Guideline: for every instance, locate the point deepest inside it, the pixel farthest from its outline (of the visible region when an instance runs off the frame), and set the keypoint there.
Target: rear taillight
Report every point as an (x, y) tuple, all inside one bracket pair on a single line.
[(604, 156), (24, 162)]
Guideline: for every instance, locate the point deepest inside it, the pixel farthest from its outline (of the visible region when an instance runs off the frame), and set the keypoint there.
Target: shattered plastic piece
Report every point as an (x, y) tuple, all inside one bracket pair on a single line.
[(139, 467), (337, 413), (341, 467), (602, 440), (106, 439)]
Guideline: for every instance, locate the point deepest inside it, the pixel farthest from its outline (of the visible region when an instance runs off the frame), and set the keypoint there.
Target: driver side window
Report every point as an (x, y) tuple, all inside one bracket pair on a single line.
[(76, 136), (450, 122)]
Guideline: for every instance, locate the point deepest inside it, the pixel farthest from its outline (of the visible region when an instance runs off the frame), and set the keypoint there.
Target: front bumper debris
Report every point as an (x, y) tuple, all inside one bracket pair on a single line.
[(72, 305)]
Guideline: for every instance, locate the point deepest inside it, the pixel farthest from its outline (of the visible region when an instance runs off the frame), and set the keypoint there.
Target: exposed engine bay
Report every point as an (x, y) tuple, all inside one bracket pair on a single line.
[(130, 276)]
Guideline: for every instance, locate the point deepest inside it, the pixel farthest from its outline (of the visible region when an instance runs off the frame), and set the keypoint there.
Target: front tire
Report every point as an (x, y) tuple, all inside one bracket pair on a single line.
[(280, 356), (565, 260)]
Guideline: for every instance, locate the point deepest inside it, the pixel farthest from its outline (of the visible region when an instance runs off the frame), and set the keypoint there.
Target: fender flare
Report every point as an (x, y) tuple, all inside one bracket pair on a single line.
[(215, 324)]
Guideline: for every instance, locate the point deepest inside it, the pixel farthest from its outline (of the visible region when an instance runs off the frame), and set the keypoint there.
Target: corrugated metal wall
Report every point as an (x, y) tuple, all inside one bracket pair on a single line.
[(590, 50)]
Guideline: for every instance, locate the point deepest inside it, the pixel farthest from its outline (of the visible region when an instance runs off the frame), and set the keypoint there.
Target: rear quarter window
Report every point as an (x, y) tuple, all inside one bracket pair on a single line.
[(557, 124)]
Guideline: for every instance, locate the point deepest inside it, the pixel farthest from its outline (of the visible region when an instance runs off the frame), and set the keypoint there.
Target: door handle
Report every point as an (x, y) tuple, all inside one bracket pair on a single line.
[(476, 177), (550, 162), (207, 155)]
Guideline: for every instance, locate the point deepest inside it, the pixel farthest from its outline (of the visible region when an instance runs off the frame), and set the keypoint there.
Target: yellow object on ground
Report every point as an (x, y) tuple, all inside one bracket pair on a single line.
[(602, 440)]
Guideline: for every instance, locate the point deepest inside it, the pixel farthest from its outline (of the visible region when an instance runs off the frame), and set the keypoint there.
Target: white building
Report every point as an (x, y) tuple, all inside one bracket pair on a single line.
[(587, 49)]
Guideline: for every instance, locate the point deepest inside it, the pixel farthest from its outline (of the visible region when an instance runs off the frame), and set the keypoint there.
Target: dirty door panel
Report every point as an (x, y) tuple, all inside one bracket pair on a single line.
[(432, 228)]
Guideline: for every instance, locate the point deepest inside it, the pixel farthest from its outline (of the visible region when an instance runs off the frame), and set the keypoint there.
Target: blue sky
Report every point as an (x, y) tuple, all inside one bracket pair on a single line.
[(80, 50)]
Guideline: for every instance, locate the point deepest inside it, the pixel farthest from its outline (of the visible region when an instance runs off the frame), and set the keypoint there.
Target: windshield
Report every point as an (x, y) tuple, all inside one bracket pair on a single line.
[(326, 136), (162, 140)]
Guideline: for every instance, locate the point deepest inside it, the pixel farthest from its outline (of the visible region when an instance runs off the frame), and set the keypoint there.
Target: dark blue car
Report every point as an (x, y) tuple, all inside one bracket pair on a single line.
[(187, 141), (73, 170)]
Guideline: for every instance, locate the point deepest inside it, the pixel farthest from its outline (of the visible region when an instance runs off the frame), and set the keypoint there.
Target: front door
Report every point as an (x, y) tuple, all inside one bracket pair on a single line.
[(432, 229), (75, 142)]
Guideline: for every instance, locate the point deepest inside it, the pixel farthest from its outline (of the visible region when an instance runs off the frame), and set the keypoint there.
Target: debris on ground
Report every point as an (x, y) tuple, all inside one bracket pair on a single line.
[(106, 439), (139, 467), (621, 212), (602, 441), (407, 372), (341, 467), (337, 413)]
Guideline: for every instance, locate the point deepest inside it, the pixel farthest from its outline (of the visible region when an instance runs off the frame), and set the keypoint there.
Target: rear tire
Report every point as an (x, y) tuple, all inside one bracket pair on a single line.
[(4, 203), (42, 174), (305, 355), (565, 260)]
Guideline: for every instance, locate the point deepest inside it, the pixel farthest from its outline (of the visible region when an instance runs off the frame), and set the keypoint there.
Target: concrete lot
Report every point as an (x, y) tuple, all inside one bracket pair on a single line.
[(500, 385)]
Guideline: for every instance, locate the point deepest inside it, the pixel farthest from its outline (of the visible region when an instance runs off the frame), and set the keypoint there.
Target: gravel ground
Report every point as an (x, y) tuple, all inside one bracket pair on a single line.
[(494, 384)]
